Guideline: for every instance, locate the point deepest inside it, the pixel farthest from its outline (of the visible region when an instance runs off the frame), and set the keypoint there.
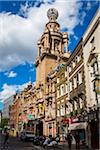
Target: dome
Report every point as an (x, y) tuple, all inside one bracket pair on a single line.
[(52, 14)]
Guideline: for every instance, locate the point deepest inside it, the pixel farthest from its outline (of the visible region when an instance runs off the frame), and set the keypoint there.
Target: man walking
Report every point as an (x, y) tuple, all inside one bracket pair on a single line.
[(69, 139), (77, 139), (6, 137)]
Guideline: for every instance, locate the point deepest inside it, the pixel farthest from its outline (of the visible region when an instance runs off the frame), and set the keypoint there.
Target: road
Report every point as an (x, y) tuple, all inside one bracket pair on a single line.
[(16, 144)]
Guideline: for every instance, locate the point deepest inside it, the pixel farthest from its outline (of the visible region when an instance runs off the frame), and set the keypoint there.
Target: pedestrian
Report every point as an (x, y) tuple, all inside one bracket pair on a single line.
[(69, 140), (57, 139), (6, 137), (77, 139)]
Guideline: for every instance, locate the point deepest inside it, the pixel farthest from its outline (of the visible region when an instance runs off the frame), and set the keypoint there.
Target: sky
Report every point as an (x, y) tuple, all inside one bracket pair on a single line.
[(21, 26)]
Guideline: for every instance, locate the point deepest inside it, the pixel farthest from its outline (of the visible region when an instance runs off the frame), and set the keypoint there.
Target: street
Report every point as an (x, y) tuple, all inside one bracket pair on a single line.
[(16, 144)]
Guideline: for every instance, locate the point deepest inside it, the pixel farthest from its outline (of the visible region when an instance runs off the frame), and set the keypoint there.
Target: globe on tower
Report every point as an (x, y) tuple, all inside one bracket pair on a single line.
[(52, 14)]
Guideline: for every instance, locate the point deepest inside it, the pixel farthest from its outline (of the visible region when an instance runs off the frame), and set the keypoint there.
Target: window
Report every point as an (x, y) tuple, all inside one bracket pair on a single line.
[(78, 58), (80, 77), (58, 111), (70, 86), (66, 88), (75, 82), (81, 102), (58, 94), (57, 80), (62, 110), (75, 105), (77, 79), (92, 43), (62, 89), (73, 63), (70, 69), (64, 48), (53, 87), (95, 68)]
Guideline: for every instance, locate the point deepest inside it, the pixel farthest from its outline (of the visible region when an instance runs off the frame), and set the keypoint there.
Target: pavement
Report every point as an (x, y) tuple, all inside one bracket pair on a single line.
[(15, 144)]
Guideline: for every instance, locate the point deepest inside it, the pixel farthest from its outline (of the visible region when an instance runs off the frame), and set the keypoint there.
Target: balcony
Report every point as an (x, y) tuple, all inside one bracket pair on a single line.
[(40, 100)]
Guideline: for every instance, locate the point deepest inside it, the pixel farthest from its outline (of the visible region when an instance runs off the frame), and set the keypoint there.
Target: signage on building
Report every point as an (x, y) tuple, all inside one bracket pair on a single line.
[(76, 126), (30, 117)]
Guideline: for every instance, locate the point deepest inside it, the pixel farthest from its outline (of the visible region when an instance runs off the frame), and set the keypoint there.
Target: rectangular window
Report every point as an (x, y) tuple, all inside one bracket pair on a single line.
[(95, 68), (66, 88), (53, 87), (80, 77), (70, 69), (73, 63), (58, 111), (62, 110), (62, 89), (75, 82), (78, 58), (92, 43), (70, 86), (58, 92), (75, 105), (57, 80)]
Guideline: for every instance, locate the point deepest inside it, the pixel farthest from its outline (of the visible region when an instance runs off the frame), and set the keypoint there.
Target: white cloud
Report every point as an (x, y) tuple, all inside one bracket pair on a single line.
[(11, 74), (19, 36), (9, 90)]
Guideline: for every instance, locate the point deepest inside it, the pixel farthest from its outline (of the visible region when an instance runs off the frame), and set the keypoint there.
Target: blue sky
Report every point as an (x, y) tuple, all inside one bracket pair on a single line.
[(22, 24)]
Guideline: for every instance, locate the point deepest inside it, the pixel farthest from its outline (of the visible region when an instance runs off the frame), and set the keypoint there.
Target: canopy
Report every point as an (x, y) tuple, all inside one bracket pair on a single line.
[(76, 126)]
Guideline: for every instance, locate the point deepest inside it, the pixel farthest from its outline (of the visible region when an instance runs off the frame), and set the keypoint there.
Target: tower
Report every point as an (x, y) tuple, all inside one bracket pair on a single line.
[(52, 47), (52, 50)]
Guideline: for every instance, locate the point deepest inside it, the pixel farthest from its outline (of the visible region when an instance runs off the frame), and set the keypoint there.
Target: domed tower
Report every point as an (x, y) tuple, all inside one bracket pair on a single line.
[(52, 50), (52, 47)]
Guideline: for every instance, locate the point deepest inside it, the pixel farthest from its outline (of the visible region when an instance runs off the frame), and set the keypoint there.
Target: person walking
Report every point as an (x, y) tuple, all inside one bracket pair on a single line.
[(69, 139), (77, 139), (6, 137)]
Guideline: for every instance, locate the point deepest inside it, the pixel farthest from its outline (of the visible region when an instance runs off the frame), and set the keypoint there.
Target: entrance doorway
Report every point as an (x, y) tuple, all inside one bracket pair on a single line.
[(39, 129), (94, 129)]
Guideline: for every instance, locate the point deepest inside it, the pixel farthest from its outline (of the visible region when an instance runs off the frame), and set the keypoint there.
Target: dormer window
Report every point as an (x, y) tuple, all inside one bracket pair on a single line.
[(92, 43), (80, 77), (70, 69), (78, 58), (73, 63)]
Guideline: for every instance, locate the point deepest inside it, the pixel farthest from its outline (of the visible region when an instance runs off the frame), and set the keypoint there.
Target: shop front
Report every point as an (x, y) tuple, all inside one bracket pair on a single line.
[(80, 128), (62, 127), (93, 129), (51, 128)]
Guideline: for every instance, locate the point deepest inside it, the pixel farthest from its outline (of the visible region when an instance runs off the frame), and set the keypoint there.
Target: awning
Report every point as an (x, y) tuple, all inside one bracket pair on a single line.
[(76, 126)]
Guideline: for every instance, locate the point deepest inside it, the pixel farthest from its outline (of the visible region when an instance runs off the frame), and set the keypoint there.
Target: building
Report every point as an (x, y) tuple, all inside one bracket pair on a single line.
[(22, 111), (50, 53), (50, 107), (61, 99), (7, 103), (91, 54), (70, 94), (77, 94), (66, 96)]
